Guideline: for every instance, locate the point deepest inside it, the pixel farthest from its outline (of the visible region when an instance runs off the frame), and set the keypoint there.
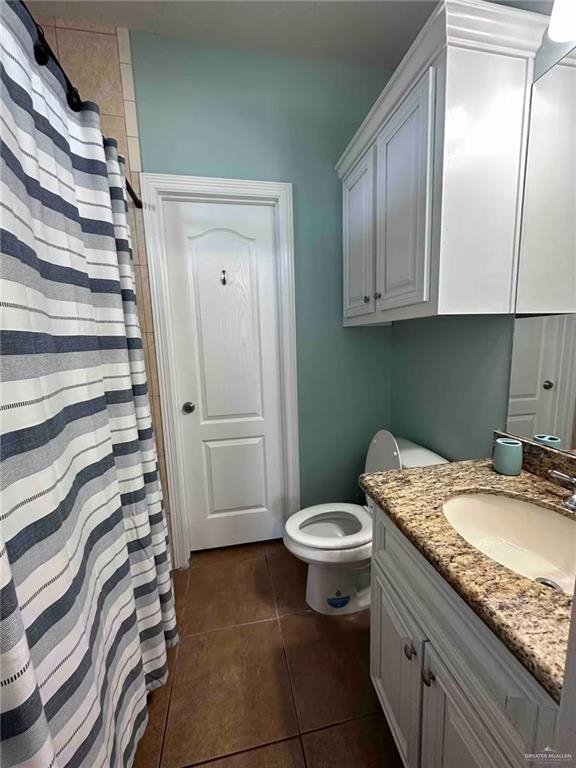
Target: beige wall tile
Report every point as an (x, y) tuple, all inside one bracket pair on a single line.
[(150, 367), (44, 21), (146, 355), (139, 298), (153, 382), (124, 45), (162, 471), (132, 225), (90, 60), (134, 153), (146, 309), (135, 181), (140, 238), (50, 35), (127, 82), (86, 26), (113, 128), (157, 422), (131, 118)]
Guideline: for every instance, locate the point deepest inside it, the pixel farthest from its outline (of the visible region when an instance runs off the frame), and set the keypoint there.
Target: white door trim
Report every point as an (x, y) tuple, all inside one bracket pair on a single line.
[(156, 189)]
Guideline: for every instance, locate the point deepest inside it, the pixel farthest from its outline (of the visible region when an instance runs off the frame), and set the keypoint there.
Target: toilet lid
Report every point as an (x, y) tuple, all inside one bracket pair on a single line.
[(331, 526)]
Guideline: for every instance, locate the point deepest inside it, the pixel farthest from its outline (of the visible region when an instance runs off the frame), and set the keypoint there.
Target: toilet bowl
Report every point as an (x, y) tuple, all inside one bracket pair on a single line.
[(335, 539)]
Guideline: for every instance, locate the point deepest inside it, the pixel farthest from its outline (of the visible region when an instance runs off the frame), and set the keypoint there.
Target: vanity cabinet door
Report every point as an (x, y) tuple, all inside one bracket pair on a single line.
[(397, 649), (404, 200), (452, 734), (359, 237)]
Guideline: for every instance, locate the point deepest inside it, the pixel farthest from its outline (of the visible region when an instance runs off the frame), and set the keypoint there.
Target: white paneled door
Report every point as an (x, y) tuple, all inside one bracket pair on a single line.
[(222, 273), (543, 377)]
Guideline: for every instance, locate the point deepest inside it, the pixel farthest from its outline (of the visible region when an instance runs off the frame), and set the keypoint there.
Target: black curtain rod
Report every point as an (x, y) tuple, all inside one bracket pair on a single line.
[(43, 53)]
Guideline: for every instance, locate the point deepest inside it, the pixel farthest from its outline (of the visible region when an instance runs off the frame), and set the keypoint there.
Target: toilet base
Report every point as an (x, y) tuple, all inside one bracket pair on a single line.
[(332, 589)]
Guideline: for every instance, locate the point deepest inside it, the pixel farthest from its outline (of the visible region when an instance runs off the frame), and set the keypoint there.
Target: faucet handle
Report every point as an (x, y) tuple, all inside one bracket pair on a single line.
[(562, 478)]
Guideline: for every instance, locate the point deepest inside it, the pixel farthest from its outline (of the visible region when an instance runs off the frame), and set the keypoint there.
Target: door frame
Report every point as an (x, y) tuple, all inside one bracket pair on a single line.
[(157, 189)]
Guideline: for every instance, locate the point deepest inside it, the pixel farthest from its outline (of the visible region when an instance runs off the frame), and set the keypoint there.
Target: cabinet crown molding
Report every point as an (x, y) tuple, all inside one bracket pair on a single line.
[(487, 26), (473, 24)]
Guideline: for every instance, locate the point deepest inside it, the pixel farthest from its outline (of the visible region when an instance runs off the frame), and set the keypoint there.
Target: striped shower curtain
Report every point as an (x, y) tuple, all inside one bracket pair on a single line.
[(85, 591)]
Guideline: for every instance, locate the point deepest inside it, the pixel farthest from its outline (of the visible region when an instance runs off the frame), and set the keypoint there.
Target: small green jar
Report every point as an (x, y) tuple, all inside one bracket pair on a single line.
[(507, 459)]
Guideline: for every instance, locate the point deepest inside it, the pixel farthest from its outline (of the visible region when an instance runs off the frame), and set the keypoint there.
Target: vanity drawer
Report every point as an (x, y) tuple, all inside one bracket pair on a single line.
[(516, 708)]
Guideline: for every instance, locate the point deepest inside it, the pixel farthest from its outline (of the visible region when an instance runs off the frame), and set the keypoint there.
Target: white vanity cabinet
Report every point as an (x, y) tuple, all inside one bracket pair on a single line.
[(396, 657), (452, 693), (445, 143), (425, 709), (453, 735)]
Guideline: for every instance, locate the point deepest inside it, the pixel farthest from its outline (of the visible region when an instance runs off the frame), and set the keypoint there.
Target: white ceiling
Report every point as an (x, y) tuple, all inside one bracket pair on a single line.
[(375, 33)]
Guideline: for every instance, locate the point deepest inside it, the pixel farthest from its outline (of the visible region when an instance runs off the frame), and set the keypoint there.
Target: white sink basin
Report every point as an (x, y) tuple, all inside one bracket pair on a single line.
[(533, 541)]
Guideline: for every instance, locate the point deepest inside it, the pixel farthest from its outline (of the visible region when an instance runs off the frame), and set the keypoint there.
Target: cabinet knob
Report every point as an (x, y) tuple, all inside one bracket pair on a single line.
[(428, 677), (548, 384), (188, 407), (409, 651), (377, 295), (366, 299)]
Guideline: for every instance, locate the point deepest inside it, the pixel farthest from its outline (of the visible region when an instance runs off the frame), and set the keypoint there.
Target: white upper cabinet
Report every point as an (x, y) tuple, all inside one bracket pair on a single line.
[(359, 242), (404, 194), (446, 141)]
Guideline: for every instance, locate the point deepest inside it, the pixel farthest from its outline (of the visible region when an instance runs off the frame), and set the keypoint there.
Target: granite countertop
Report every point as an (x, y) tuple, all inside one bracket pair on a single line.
[(531, 620)]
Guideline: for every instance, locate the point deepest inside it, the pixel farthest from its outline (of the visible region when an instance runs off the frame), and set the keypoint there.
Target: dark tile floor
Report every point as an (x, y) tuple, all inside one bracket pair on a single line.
[(260, 681)]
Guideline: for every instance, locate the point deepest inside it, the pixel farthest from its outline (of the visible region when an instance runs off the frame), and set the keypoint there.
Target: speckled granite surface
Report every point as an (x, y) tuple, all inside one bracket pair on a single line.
[(532, 620)]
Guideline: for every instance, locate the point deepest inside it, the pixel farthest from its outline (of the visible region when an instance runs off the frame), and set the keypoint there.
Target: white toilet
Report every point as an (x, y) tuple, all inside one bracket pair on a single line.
[(336, 539)]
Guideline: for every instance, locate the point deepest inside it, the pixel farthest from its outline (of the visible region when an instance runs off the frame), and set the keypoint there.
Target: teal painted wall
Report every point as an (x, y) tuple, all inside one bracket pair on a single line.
[(450, 382), (212, 112)]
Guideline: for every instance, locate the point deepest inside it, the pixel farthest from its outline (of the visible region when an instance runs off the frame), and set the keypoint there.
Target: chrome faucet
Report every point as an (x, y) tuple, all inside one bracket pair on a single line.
[(569, 482)]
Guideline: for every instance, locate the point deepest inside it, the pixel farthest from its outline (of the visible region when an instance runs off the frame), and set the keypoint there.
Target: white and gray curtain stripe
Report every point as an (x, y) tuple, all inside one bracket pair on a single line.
[(86, 605)]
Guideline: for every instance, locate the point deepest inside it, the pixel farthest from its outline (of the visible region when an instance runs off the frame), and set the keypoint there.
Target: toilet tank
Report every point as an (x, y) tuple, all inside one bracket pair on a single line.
[(388, 452)]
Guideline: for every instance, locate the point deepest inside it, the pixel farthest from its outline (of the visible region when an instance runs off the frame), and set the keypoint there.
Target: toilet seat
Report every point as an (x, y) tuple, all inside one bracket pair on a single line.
[(331, 526)]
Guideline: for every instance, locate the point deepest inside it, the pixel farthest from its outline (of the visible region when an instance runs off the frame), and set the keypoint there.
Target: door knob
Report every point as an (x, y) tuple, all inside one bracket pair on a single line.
[(377, 295), (188, 407), (548, 384), (366, 299)]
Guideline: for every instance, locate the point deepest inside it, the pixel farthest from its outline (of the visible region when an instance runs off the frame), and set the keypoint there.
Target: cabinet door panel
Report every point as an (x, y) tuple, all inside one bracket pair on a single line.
[(404, 200), (396, 677), (359, 240), (452, 734)]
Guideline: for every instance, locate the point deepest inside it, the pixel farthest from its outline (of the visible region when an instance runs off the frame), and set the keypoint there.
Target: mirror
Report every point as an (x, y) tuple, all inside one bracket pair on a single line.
[(542, 396)]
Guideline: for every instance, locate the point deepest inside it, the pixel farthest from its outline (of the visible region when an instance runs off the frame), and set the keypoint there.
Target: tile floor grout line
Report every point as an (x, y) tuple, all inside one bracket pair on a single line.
[(228, 626), (227, 755), (303, 751), (225, 562), (338, 723), (289, 677), (165, 729), (272, 585)]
